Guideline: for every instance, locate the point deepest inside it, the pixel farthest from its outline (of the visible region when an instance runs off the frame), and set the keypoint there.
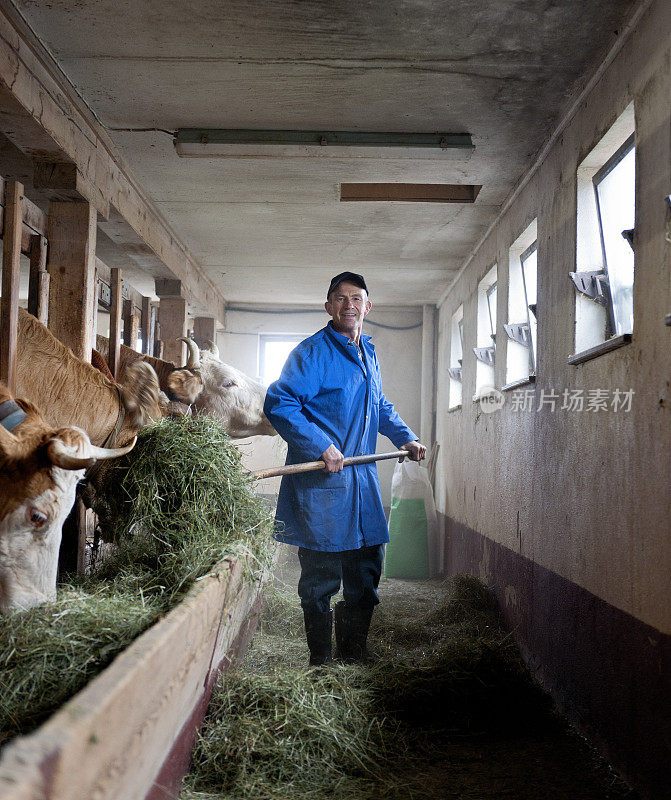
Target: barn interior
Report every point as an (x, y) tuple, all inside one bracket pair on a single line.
[(520, 334)]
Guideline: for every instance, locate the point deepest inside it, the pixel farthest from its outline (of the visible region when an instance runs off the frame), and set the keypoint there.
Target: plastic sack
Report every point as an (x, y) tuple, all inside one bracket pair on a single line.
[(413, 549)]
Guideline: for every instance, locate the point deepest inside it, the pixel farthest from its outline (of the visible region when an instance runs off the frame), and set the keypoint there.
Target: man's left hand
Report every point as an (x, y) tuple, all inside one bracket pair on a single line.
[(416, 451)]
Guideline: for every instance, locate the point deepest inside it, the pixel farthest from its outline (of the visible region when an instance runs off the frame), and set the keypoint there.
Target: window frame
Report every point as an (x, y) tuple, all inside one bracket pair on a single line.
[(618, 156), (533, 248), (488, 293), (274, 337)]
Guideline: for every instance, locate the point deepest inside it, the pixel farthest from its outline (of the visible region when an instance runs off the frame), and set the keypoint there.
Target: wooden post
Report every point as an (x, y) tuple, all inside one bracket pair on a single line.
[(172, 317), (82, 530), (204, 331), (11, 265), (158, 343), (38, 287), (116, 290), (147, 326), (131, 324), (71, 233)]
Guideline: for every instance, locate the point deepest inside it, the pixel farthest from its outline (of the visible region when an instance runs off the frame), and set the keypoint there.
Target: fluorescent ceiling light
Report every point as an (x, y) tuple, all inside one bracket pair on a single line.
[(237, 143), (409, 192)]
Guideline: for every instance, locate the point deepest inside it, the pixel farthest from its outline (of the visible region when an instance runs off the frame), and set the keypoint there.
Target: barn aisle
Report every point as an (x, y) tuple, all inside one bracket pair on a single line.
[(447, 712)]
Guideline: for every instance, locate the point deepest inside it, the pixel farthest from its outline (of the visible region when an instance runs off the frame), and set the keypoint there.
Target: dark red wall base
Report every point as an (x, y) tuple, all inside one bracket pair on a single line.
[(607, 671), (169, 780)]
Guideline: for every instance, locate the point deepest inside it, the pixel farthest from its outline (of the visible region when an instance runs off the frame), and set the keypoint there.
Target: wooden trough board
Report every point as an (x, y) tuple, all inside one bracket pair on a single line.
[(128, 734)]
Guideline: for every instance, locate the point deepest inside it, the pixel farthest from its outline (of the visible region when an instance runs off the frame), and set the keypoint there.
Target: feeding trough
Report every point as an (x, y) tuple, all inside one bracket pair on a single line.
[(129, 732), (182, 514)]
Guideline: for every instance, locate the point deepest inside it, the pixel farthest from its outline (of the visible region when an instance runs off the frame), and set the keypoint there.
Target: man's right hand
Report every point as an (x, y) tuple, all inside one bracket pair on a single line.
[(333, 459)]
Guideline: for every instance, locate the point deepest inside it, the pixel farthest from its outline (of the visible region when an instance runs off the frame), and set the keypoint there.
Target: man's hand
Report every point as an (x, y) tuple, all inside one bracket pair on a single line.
[(333, 459), (416, 451)]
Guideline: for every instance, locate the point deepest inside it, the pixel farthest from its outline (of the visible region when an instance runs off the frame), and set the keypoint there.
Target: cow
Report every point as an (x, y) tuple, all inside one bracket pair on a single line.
[(40, 466), (207, 385), (179, 384), (70, 391)]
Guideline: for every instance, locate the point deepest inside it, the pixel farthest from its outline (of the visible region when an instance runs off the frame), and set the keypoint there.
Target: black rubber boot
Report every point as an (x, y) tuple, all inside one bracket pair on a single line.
[(318, 627), (351, 632)]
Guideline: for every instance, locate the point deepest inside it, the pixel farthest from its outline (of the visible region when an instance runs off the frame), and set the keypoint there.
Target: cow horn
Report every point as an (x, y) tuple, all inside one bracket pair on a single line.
[(213, 349), (65, 456), (193, 361)]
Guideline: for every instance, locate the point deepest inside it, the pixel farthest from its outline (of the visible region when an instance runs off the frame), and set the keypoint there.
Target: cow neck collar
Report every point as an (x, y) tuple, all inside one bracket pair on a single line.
[(11, 415)]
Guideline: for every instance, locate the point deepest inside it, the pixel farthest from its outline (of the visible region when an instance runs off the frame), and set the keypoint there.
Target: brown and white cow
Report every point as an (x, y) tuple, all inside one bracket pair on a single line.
[(40, 466), (70, 391), (207, 385)]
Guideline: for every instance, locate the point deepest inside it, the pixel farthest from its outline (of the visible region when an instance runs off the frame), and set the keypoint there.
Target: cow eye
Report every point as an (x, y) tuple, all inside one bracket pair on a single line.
[(36, 517), (228, 384)]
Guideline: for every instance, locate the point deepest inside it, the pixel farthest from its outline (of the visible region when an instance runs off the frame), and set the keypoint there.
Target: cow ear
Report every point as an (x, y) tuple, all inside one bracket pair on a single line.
[(185, 385)]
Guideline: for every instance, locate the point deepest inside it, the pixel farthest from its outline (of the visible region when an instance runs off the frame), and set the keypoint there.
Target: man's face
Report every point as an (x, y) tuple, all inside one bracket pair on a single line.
[(347, 305)]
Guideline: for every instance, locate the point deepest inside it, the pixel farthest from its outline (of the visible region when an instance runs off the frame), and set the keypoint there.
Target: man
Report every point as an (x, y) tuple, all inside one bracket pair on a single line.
[(328, 404)]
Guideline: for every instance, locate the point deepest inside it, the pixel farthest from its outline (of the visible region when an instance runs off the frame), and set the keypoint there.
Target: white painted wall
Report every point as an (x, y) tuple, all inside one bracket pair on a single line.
[(399, 353)]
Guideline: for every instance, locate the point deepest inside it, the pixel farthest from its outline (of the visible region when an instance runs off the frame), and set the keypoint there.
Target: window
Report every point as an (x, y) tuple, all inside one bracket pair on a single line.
[(485, 352), (456, 355), (604, 276), (614, 188), (521, 327), (273, 352)]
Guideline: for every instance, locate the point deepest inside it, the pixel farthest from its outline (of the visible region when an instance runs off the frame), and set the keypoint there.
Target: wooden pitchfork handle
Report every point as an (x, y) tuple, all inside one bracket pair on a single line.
[(310, 466)]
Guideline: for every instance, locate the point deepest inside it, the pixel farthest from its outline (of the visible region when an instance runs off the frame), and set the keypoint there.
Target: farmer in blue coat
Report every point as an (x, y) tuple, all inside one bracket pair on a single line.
[(328, 404)]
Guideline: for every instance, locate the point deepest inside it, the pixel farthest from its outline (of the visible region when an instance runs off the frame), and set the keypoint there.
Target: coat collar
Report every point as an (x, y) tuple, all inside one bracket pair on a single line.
[(343, 340)]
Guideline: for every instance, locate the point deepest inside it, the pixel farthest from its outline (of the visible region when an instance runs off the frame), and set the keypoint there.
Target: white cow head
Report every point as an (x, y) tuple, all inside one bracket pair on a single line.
[(228, 394), (40, 467)]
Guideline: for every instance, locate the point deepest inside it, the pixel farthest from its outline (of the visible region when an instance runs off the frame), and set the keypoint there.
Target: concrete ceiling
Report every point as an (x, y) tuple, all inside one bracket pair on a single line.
[(272, 230)]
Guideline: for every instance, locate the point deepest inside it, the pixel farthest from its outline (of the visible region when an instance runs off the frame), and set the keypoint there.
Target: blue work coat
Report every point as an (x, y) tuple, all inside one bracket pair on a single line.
[(326, 395)]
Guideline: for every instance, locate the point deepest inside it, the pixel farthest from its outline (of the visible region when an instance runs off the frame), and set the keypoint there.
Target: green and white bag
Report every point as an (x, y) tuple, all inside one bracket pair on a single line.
[(412, 551)]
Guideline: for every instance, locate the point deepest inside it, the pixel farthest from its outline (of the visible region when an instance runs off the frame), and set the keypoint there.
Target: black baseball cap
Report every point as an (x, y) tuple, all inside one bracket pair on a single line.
[(351, 277)]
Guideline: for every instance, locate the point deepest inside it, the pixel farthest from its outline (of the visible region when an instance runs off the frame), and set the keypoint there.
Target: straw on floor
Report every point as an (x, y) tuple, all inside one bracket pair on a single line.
[(278, 731)]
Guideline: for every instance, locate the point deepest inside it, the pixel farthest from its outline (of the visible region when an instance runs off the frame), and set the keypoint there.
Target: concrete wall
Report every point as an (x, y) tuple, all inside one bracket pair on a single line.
[(567, 514), (399, 353)]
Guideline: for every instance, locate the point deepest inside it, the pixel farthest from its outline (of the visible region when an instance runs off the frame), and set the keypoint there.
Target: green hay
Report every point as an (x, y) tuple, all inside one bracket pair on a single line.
[(180, 502), (175, 507), (50, 652)]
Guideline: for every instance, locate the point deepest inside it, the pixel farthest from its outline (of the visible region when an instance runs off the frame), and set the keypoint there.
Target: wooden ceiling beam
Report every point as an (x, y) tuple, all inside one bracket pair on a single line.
[(41, 113)]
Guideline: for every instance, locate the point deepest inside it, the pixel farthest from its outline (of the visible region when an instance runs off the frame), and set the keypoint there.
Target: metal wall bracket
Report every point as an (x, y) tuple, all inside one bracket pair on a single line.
[(519, 332), (592, 284), (629, 235), (486, 354), (454, 373)]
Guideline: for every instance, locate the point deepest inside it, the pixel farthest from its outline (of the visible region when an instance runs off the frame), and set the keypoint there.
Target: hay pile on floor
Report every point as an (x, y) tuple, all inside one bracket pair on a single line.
[(175, 506), (276, 730)]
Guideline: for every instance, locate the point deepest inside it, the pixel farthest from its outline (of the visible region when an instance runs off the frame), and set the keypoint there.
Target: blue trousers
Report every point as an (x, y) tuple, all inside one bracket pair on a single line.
[(321, 575)]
